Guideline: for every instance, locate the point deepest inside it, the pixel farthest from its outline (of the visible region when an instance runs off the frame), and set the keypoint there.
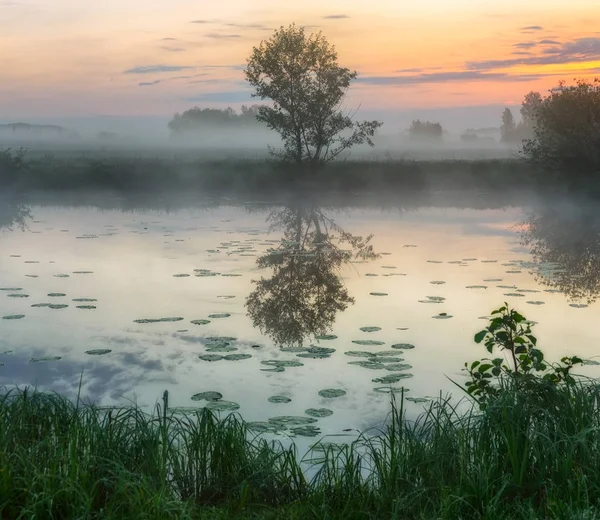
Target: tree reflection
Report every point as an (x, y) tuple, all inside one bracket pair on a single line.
[(565, 242), (13, 213), (305, 292)]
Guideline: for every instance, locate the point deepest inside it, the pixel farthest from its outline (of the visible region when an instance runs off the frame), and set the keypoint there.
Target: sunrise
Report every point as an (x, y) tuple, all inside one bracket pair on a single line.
[(305, 260)]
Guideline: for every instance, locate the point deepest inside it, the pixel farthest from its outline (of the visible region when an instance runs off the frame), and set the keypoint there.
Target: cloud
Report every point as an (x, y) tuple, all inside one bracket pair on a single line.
[(219, 36), (259, 26), (204, 21), (173, 49), (525, 45), (168, 39), (336, 17), (152, 69), (522, 53), (233, 96), (439, 77), (532, 28), (548, 42), (149, 83), (577, 51)]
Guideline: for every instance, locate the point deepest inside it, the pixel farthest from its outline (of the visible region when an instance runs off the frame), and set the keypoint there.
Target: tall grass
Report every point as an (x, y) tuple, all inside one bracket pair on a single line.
[(524, 456)]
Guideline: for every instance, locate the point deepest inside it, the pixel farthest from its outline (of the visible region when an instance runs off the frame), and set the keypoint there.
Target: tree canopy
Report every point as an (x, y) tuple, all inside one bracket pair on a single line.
[(196, 119), (300, 75), (567, 128), (425, 130)]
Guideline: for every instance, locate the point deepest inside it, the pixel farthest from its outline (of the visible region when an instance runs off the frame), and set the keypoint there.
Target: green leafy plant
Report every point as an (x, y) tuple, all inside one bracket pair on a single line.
[(510, 333)]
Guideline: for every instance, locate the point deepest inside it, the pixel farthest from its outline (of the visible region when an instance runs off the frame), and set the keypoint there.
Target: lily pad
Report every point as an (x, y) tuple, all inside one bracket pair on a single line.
[(282, 363), (403, 346), (222, 406), (158, 320), (326, 337), (98, 351), (276, 369), (385, 359), (219, 315), (210, 357), (57, 306), (378, 294), (514, 295), (488, 280), (370, 329), (419, 399), (13, 317), (265, 427), (43, 359), (83, 272), (371, 365), (476, 287), (578, 305), (62, 276), (231, 275), (331, 393), (237, 357), (293, 350), (398, 367), (390, 389), (371, 274), (207, 396), (306, 431), (279, 399), (86, 307), (291, 420), (41, 305), (368, 342), (200, 322), (536, 302), (18, 295), (318, 412), (442, 316), (84, 300), (181, 275), (390, 379), (359, 353), (437, 282), (11, 289)]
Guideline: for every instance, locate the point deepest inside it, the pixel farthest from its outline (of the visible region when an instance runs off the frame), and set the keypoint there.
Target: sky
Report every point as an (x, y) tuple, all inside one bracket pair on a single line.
[(133, 58)]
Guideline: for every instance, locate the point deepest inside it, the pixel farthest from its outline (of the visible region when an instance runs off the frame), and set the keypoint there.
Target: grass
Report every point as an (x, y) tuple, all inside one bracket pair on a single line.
[(136, 173), (526, 456)]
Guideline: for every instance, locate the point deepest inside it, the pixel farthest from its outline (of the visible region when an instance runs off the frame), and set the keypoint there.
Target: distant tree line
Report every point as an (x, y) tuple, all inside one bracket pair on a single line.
[(425, 130), (196, 119)]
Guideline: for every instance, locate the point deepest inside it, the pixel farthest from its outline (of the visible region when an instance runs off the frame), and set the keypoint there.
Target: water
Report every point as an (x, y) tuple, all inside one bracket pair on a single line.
[(112, 273)]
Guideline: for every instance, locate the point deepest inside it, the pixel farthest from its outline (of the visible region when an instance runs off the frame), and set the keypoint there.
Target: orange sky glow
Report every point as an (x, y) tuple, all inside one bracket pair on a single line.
[(150, 57)]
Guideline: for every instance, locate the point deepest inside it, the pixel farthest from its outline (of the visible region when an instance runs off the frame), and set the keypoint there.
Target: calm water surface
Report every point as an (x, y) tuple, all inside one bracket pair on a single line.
[(267, 282)]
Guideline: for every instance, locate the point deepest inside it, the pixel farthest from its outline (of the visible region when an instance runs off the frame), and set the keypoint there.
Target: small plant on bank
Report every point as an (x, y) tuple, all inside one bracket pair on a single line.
[(510, 332)]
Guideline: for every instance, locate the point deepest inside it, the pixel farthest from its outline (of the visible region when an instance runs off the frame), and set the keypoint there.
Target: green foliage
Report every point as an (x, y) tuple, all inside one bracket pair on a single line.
[(510, 332), (567, 128), (425, 130), (301, 76), (211, 119)]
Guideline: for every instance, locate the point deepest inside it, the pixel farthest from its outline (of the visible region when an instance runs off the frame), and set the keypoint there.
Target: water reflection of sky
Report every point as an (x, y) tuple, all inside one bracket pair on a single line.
[(134, 256)]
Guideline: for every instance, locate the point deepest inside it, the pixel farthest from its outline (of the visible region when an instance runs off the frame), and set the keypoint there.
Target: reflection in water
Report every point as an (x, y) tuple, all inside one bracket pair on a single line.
[(565, 241), (305, 291), (13, 213)]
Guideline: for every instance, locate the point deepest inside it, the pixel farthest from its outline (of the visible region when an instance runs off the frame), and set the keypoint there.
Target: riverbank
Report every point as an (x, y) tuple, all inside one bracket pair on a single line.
[(527, 456), (141, 174)]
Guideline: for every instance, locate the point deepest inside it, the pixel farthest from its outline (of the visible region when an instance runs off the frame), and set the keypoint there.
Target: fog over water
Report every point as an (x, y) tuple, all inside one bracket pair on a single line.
[(342, 291)]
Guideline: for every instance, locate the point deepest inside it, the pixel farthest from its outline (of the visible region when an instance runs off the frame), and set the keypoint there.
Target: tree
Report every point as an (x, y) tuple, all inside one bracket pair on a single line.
[(567, 128), (509, 127), (425, 130), (300, 74), (529, 108)]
